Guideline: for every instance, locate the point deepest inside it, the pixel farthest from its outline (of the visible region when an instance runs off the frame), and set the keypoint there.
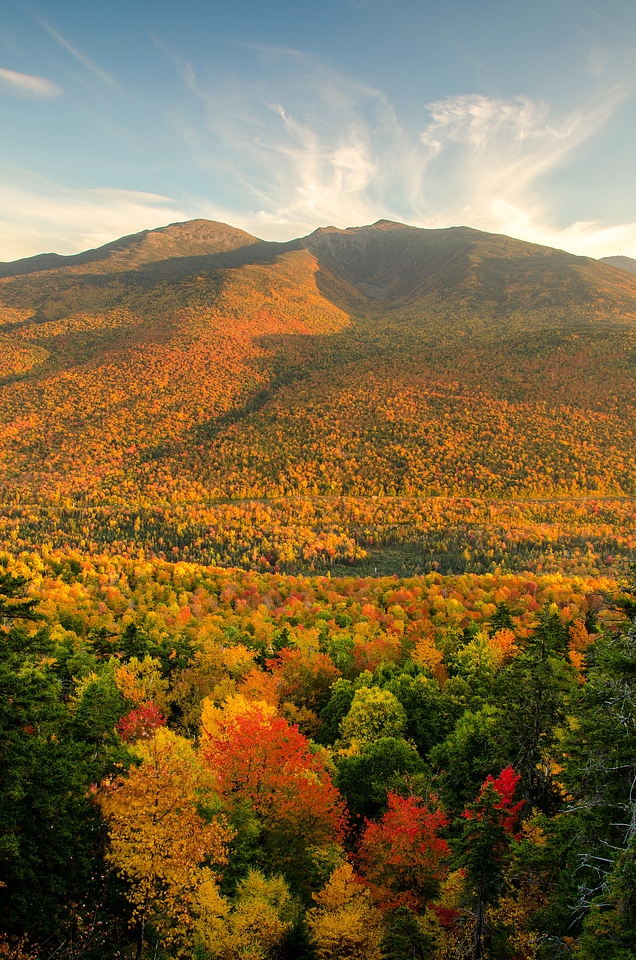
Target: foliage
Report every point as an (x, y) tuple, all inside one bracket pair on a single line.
[(181, 689), (275, 423), (159, 840), (373, 714), (259, 760), (345, 925), (193, 425), (258, 920), (481, 848), (402, 856)]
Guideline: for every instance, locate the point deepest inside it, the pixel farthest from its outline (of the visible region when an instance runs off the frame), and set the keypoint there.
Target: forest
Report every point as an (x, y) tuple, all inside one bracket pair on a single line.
[(267, 415), (216, 763), (317, 599)]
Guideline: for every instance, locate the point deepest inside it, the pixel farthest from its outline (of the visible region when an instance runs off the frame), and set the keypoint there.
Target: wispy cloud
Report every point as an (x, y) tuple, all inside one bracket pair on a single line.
[(27, 85), (486, 159), (303, 159), (304, 146), (85, 61), (325, 149), (42, 217)]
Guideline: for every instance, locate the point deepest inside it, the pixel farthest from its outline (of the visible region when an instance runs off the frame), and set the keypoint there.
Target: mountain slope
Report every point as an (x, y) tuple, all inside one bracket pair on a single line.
[(178, 240), (623, 263), (382, 267), (395, 267), (195, 364)]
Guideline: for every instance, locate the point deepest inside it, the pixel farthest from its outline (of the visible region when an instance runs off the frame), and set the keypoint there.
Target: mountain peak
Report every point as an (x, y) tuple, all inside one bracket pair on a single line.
[(390, 225), (190, 238), (379, 225), (205, 231)]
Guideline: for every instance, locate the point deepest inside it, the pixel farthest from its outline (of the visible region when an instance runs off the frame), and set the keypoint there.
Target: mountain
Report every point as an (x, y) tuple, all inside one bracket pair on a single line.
[(178, 241), (394, 266), (623, 263), (327, 400)]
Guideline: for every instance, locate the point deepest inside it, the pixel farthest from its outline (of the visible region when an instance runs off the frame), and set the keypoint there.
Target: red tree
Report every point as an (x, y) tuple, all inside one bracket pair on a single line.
[(304, 679), (140, 723), (265, 763), (402, 856)]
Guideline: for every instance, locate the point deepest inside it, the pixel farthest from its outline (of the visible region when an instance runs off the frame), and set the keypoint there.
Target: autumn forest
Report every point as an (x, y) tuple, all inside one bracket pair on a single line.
[(317, 599)]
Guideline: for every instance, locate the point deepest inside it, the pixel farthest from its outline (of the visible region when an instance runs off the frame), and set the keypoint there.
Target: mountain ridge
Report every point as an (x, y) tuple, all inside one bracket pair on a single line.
[(387, 264), (373, 268), (195, 236)]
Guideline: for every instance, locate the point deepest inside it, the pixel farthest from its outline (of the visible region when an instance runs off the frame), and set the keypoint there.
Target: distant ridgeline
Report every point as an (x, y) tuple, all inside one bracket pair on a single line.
[(378, 399)]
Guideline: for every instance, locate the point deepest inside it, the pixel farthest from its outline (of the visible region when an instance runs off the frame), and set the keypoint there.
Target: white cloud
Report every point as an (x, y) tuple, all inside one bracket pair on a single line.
[(27, 85), (486, 158), (44, 217), (310, 159), (590, 239), (324, 149)]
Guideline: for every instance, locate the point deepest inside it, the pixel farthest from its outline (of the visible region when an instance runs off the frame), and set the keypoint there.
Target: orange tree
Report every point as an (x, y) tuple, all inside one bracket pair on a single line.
[(277, 787)]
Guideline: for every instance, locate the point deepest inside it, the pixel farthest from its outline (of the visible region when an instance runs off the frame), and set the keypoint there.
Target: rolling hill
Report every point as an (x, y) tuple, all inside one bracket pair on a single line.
[(380, 396)]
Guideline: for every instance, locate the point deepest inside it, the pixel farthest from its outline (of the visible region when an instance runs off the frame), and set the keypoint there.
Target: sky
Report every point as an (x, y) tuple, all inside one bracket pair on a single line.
[(278, 117)]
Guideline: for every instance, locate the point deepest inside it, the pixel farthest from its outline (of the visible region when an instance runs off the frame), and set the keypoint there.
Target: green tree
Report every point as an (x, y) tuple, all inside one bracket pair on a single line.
[(365, 778), (469, 754), (430, 713), (50, 832), (534, 693), (595, 838), (482, 846), (373, 714), (14, 603)]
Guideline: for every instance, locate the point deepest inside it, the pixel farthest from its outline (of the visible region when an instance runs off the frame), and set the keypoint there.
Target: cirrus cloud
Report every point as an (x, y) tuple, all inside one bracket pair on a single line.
[(27, 85), (330, 150)]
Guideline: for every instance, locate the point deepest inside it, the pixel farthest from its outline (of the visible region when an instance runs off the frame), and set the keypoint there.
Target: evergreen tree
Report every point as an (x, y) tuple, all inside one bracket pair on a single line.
[(533, 695), (482, 847), (599, 827)]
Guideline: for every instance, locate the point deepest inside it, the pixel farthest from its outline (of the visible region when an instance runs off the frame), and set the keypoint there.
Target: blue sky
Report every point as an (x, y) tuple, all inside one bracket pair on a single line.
[(506, 115)]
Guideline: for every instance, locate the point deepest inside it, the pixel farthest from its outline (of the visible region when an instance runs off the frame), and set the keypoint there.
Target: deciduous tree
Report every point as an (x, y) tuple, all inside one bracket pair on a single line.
[(345, 925), (159, 840), (402, 856)]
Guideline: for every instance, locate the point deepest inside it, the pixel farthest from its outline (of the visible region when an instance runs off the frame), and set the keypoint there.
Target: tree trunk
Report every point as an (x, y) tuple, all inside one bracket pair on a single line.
[(480, 925)]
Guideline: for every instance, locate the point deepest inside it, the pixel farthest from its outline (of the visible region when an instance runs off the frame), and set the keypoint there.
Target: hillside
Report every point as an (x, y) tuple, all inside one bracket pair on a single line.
[(381, 396), (623, 263)]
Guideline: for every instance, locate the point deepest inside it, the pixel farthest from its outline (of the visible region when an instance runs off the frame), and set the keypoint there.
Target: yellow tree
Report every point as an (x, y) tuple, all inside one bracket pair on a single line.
[(253, 925), (159, 841), (373, 714), (345, 925)]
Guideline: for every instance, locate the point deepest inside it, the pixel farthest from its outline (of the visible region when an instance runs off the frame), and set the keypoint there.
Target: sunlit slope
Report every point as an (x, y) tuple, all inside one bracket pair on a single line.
[(546, 417), (197, 363), (91, 395), (178, 241)]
